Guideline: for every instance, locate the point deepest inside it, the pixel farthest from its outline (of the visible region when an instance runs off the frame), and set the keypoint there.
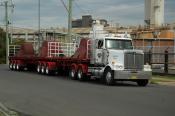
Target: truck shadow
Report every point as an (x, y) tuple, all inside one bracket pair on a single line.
[(64, 76)]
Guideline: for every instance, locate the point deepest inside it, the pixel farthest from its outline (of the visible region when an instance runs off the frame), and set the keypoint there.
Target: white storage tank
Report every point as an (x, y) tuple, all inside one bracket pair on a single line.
[(154, 12)]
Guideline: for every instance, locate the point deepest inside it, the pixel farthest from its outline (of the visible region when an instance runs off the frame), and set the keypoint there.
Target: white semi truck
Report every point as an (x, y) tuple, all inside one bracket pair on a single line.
[(113, 57), (104, 56)]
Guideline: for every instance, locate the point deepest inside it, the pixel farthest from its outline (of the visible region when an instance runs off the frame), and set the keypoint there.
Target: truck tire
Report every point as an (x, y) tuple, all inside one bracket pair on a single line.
[(39, 68), (11, 66), (47, 71), (80, 75), (17, 67), (142, 83), (109, 77), (43, 69), (73, 74), (14, 66)]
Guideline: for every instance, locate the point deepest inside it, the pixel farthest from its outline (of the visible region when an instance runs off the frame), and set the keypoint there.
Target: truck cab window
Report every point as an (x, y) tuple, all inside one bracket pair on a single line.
[(118, 44), (100, 44)]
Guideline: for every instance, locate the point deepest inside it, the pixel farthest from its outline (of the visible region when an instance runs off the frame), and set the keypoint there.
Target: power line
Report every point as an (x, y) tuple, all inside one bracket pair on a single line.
[(79, 7), (64, 5)]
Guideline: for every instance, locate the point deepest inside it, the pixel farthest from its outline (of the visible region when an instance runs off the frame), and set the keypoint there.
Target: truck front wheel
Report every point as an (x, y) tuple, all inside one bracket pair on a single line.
[(109, 77), (142, 83)]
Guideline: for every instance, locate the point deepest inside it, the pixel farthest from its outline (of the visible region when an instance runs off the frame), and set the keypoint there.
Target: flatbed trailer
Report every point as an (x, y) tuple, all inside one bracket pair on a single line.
[(51, 64)]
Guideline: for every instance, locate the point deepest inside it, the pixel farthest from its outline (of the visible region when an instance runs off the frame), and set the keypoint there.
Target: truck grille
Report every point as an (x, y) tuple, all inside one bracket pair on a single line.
[(134, 61)]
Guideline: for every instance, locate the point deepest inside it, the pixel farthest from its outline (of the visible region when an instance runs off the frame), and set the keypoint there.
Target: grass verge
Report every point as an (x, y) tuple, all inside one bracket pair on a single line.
[(159, 79)]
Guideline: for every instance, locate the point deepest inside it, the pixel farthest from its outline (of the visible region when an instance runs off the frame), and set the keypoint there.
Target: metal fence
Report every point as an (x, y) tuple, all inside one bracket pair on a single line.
[(158, 54), (159, 57)]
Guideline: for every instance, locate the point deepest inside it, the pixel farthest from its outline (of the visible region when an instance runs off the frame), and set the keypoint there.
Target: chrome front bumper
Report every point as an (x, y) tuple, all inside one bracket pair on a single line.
[(132, 75)]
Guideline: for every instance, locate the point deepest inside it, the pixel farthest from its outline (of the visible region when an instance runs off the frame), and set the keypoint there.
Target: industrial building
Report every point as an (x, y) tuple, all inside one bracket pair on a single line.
[(153, 38), (154, 12), (86, 21)]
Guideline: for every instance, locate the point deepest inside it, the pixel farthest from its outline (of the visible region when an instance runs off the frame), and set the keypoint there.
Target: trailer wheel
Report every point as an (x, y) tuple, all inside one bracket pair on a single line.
[(48, 71), (11, 66), (39, 69), (42, 69), (142, 83), (17, 67), (80, 75), (72, 74), (20, 67), (109, 77), (14, 66)]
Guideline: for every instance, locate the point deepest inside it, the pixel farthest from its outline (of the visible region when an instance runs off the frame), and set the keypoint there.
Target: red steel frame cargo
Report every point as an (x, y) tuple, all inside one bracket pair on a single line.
[(51, 57)]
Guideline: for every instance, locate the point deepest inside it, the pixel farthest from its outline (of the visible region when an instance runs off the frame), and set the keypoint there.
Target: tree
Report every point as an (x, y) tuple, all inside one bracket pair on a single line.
[(2, 46)]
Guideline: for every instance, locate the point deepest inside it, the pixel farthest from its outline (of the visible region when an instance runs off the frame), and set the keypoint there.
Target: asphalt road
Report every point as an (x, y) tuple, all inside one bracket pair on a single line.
[(39, 95)]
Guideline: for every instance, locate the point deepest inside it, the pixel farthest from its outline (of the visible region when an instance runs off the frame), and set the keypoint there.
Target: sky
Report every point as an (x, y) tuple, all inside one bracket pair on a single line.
[(53, 13)]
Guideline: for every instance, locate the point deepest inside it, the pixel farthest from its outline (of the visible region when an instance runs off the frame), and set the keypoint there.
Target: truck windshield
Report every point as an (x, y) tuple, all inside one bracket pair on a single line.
[(118, 44)]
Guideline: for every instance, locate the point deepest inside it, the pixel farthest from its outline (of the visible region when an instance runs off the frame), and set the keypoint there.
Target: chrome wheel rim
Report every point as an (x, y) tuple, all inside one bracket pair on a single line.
[(14, 67), (79, 74), (72, 73), (47, 70), (38, 69), (108, 77), (42, 69), (10, 66), (17, 67)]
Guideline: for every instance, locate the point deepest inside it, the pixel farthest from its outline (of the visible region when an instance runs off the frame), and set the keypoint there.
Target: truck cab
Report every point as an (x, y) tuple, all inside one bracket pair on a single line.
[(113, 57)]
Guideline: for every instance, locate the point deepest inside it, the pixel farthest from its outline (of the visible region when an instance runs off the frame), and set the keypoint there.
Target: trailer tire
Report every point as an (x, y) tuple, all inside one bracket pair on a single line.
[(142, 83), (43, 69), (39, 69), (14, 66), (73, 74), (109, 77), (48, 71), (11, 66), (80, 75), (17, 67)]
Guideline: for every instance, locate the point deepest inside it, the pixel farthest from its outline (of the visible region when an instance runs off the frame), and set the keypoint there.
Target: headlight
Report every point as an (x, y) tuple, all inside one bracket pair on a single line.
[(118, 67)]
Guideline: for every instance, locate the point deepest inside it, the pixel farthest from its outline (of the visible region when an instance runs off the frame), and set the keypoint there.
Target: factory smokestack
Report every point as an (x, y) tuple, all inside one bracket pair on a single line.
[(154, 12)]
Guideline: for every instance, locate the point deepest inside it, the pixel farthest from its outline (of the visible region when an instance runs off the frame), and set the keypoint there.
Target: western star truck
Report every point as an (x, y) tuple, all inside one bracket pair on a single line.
[(104, 56)]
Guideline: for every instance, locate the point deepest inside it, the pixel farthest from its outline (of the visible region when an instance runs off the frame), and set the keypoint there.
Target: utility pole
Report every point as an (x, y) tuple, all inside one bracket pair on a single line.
[(6, 5), (7, 31), (70, 20), (39, 24), (174, 43)]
